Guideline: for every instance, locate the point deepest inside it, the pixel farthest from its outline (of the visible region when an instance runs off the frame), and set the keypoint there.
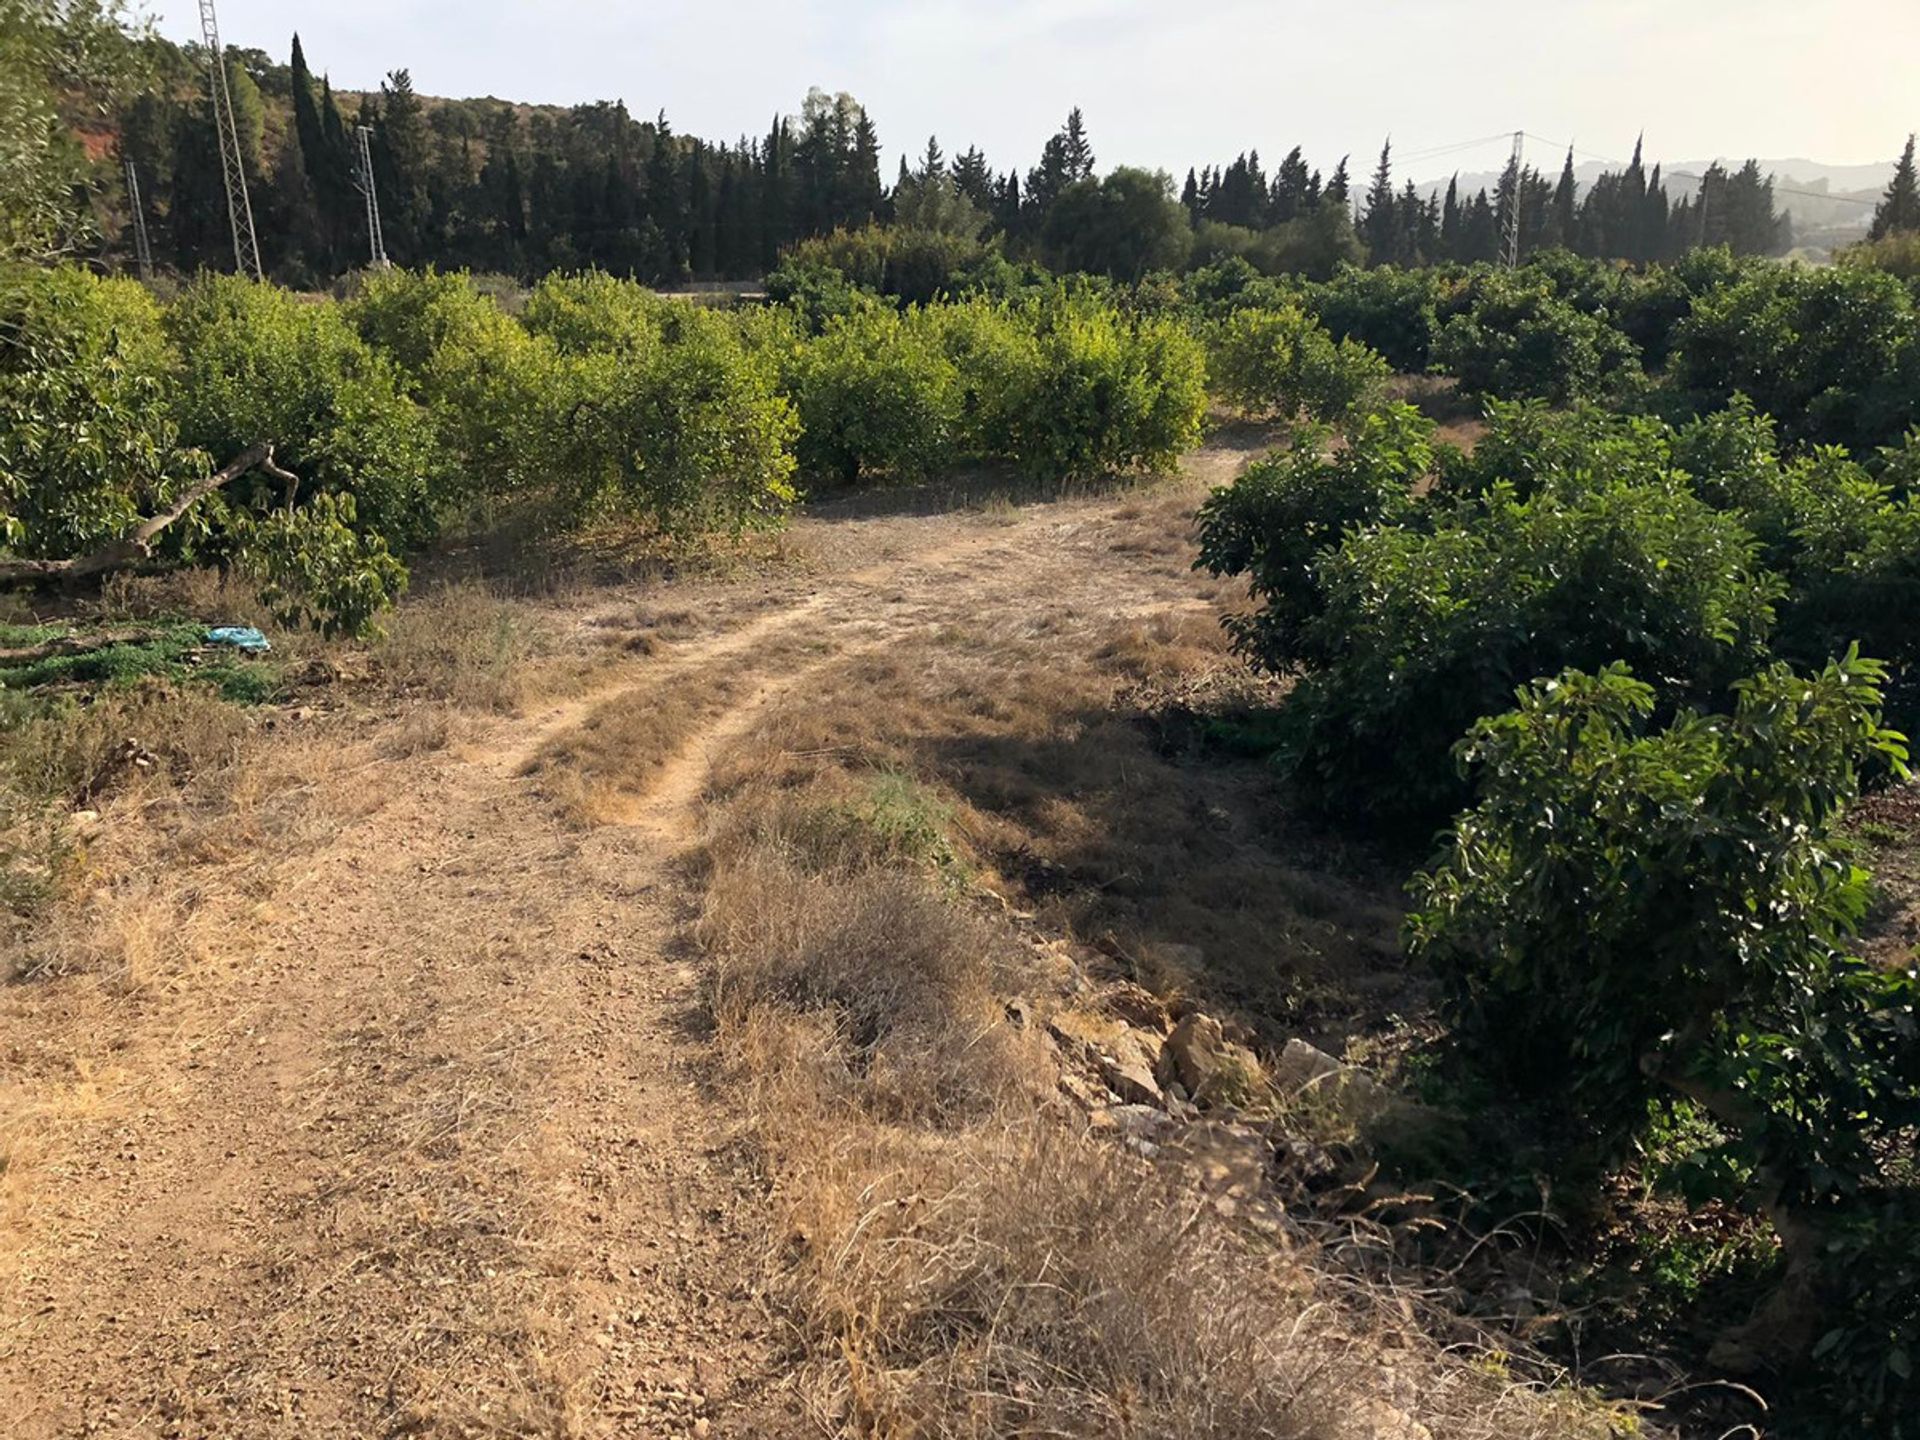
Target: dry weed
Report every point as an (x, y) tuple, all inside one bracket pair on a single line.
[(464, 645)]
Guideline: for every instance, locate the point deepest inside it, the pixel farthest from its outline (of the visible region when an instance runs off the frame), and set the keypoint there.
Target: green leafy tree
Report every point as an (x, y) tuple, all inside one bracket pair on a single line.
[(59, 60), (1123, 226), (1633, 919), (1279, 362)]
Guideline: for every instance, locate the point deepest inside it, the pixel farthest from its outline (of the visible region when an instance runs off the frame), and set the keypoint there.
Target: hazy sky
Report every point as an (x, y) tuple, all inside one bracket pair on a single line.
[(1170, 84)]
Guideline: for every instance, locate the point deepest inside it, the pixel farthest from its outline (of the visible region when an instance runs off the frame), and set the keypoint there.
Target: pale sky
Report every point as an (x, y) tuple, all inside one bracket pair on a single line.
[(1167, 85)]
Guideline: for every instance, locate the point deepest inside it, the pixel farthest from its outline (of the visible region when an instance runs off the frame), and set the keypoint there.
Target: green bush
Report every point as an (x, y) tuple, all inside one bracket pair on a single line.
[(1515, 339), (316, 566), (690, 437), (594, 313), (1280, 362), (1833, 355), (1096, 392), (409, 315), (1419, 633), (909, 265), (876, 394), (260, 365), (1630, 918), (1273, 522), (88, 442), (1386, 309)]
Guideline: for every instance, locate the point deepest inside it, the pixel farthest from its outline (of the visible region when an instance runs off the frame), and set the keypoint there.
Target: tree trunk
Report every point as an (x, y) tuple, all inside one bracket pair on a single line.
[(137, 545)]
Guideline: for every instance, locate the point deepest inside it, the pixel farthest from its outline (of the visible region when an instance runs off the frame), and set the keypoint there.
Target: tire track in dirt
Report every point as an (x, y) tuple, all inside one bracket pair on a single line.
[(447, 1164)]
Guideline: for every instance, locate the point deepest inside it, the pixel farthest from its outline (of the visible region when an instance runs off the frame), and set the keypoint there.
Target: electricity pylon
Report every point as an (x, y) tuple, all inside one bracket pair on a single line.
[(246, 248), (363, 178), (1510, 240), (142, 251)]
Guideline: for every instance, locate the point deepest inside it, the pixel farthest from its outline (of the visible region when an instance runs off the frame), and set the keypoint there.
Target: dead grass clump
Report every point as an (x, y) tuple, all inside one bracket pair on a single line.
[(1022, 1279), (900, 976), (215, 597), (462, 644), (1165, 647), (72, 753)]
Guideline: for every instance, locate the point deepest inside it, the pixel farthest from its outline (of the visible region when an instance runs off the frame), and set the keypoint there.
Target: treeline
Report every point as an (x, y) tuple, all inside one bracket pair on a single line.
[(492, 186)]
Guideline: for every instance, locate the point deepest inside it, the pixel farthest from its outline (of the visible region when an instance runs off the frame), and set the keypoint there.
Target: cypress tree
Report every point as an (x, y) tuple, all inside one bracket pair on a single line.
[(1379, 223), (1079, 153), (1899, 209), (1565, 206), (1338, 185)]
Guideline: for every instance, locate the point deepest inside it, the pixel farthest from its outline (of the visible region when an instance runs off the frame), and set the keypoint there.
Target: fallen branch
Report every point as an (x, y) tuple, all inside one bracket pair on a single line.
[(138, 545)]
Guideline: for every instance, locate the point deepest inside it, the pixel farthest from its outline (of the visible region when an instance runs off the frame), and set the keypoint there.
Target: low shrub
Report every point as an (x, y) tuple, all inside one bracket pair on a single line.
[(1280, 362)]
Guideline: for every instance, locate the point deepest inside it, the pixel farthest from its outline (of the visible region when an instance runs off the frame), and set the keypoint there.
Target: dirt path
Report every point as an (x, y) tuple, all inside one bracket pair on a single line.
[(431, 1153)]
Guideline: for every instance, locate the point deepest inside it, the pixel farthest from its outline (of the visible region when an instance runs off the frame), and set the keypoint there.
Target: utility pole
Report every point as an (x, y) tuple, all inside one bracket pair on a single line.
[(363, 179), (142, 251), (1510, 240), (246, 248)]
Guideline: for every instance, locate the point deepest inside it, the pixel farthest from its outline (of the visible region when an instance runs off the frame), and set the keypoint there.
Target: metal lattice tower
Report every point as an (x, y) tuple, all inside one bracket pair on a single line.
[(142, 251), (246, 248), (1510, 239), (363, 179)]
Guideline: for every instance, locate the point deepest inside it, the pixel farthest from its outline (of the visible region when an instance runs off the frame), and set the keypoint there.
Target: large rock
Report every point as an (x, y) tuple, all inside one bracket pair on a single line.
[(1210, 1068), (1119, 1054), (1306, 1072)]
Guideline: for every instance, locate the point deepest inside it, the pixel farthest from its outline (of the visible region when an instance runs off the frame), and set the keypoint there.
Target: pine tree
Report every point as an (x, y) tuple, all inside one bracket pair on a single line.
[(863, 173), (975, 180), (1380, 222), (1451, 221), (1190, 197), (1565, 216), (933, 162), (1290, 198), (1079, 153), (1338, 185), (1899, 209)]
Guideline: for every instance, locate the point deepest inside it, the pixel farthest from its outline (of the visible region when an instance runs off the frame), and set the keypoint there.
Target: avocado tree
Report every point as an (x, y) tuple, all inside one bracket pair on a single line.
[(1630, 917)]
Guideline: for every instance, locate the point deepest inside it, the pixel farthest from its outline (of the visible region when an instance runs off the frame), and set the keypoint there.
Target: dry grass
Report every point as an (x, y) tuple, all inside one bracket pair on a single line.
[(958, 1254), (464, 645)]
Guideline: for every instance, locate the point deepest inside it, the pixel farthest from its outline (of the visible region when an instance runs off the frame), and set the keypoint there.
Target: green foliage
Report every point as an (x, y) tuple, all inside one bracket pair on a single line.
[(876, 393), (316, 568), (260, 365), (174, 652), (1094, 392), (910, 264), (691, 436), (1515, 338), (1386, 309), (1273, 522), (1833, 355), (1628, 914), (1415, 633), (410, 315), (88, 443), (60, 61), (1123, 226), (1279, 362), (594, 313)]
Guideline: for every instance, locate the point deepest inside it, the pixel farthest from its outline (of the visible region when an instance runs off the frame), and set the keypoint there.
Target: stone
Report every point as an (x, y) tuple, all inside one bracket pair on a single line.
[(1212, 1069), (1119, 1054), (1304, 1070), (1139, 1007), (1377, 1420)]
